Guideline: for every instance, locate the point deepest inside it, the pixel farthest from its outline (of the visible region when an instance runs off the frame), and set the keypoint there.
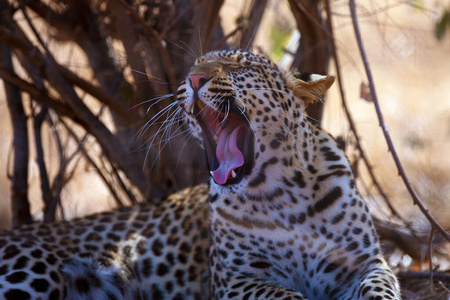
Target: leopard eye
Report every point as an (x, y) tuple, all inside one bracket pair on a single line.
[(198, 61)]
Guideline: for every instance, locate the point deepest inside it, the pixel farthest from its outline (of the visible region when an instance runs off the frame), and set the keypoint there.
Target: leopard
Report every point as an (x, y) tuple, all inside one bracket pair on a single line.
[(280, 216)]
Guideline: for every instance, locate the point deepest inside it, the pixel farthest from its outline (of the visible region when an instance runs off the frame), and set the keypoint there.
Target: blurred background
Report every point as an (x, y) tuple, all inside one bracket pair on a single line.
[(87, 123)]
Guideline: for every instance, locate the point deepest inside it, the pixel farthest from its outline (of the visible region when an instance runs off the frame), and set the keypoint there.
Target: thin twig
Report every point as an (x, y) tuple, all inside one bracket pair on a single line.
[(175, 20), (80, 147), (254, 18), (62, 177), (38, 120), (350, 118), (39, 95), (122, 184), (19, 180), (430, 253), (223, 41), (424, 275), (160, 45), (353, 128), (92, 162), (109, 142), (51, 199), (444, 287), (383, 126), (33, 28), (98, 92)]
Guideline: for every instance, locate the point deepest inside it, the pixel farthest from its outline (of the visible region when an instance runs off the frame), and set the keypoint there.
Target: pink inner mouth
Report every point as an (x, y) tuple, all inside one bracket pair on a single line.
[(225, 156), (228, 154)]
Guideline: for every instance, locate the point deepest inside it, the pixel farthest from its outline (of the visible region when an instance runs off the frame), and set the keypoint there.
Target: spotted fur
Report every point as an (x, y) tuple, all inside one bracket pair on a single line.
[(287, 223)]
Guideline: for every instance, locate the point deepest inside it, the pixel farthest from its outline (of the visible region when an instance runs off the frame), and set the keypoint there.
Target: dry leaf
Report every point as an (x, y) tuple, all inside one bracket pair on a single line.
[(364, 92)]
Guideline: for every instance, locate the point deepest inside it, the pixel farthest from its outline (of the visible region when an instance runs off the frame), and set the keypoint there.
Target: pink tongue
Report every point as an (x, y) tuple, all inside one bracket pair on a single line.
[(228, 154)]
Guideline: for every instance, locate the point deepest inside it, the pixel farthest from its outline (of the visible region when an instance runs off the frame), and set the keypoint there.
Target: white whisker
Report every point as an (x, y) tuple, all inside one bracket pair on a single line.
[(295, 142), (152, 121), (251, 127), (159, 80), (253, 34), (162, 111), (184, 145), (161, 143), (165, 135), (191, 51), (162, 98), (311, 118), (152, 99), (222, 123), (299, 125), (243, 103), (200, 41), (175, 134)]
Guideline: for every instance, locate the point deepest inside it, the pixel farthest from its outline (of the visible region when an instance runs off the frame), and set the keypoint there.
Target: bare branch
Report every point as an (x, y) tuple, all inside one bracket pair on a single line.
[(62, 176), (62, 21), (97, 52), (38, 120), (124, 187), (110, 143), (222, 43), (383, 126), (424, 275), (167, 62), (125, 31), (312, 54), (430, 252), (93, 163), (19, 40), (50, 200), (19, 181), (257, 9), (114, 103), (39, 95), (205, 18), (350, 117)]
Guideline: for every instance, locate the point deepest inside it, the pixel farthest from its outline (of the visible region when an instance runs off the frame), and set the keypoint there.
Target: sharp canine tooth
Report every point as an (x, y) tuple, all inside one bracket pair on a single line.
[(233, 174), (192, 109), (216, 138), (211, 172)]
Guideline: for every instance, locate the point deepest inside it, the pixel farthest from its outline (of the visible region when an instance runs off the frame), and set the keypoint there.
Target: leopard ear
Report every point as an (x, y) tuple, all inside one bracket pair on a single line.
[(308, 87)]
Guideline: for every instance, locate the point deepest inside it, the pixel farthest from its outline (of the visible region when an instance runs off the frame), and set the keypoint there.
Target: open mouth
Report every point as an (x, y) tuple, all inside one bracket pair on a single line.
[(228, 142)]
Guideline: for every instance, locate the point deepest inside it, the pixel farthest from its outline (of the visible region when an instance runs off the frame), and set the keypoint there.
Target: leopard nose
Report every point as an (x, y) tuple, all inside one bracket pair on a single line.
[(198, 80)]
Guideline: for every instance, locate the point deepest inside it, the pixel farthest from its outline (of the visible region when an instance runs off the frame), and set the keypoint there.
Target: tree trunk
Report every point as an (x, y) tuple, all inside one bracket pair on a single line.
[(256, 12), (313, 54), (19, 179)]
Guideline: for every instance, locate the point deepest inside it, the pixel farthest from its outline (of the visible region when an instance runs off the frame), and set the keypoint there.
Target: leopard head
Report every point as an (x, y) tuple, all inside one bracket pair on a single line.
[(245, 111)]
